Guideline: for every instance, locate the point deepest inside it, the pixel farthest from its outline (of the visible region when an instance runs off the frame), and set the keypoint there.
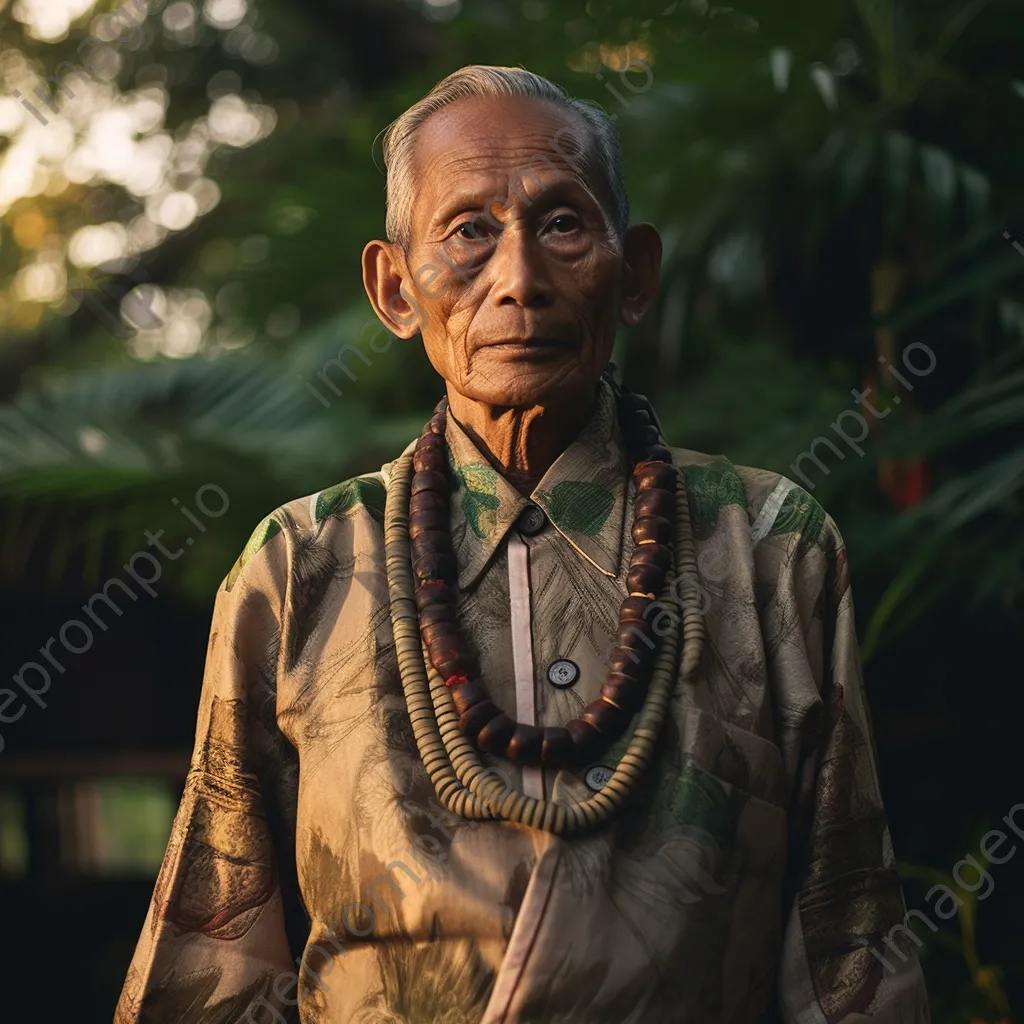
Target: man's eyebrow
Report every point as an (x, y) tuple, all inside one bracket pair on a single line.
[(563, 187), (472, 201), (462, 202)]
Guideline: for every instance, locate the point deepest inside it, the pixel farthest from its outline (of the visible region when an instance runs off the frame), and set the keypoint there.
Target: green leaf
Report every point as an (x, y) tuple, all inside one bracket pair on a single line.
[(579, 505), (265, 530), (940, 179), (480, 500)]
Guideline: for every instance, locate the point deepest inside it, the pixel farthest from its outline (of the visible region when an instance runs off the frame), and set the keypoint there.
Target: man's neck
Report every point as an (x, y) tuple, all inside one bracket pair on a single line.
[(521, 443)]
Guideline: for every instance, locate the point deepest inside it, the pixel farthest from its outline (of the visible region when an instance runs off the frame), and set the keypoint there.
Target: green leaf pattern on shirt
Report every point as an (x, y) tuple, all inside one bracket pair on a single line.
[(695, 799), (710, 488), (480, 497), (339, 499), (800, 513), (267, 527), (578, 505)]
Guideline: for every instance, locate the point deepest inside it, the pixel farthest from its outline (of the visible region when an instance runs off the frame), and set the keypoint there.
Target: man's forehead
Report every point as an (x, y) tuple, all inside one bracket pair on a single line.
[(479, 144)]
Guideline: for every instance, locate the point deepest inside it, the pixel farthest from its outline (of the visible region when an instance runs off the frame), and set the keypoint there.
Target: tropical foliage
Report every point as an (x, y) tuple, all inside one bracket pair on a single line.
[(837, 184)]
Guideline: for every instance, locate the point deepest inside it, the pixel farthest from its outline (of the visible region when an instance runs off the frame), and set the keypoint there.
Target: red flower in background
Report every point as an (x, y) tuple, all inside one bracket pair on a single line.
[(905, 482)]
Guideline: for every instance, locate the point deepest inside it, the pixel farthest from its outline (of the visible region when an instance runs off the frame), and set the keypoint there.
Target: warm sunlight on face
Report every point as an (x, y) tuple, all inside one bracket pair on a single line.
[(516, 265)]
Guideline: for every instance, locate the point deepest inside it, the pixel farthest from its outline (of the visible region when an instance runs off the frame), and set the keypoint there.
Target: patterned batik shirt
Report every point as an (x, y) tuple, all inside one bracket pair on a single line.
[(312, 875)]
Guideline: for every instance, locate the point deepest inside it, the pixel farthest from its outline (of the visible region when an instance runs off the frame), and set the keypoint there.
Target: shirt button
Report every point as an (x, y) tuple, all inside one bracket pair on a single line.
[(563, 672), (598, 776), (531, 520)]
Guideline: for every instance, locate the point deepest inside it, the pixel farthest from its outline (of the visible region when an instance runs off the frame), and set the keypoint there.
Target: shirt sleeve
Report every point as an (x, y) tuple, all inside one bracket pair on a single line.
[(222, 931), (847, 955)]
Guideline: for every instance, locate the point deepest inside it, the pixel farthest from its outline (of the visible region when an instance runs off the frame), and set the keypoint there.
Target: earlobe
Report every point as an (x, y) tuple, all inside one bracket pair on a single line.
[(640, 272), (392, 300)]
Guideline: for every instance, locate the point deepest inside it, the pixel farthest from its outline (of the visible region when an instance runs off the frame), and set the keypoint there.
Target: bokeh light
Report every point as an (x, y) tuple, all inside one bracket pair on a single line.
[(97, 143)]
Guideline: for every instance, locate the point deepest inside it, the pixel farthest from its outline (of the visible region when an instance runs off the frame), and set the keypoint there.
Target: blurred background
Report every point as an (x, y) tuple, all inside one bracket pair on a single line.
[(185, 188)]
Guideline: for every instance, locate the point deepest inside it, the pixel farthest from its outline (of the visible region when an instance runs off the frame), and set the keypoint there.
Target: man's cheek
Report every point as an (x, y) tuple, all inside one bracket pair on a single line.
[(459, 340), (459, 312)]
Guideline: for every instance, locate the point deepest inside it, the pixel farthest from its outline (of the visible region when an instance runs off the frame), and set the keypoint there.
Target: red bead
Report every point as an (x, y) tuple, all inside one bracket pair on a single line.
[(437, 422), (651, 554), (526, 745), (633, 608), (633, 402), (646, 435), (444, 648), (626, 661), (650, 474), (495, 735), (609, 720), (431, 542), (633, 632), (430, 459), (436, 613), (652, 528), (557, 746), (659, 453), (644, 659), (460, 664), (587, 742), (655, 502), (465, 695), (429, 480), (435, 567), (645, 579), (433, 632), (427, 501), (428, 439), (627, 693), (433, 592), (473, 720), (442, 406), (637, 635), (435, 519)]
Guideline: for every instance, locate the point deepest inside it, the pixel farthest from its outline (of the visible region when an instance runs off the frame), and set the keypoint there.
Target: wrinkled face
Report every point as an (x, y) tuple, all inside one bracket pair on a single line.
[(513, 267)]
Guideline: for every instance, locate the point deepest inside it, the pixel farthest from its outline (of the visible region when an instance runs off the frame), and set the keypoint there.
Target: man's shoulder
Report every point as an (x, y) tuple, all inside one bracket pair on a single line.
[(357, 501), (775, 505), (359, 498)]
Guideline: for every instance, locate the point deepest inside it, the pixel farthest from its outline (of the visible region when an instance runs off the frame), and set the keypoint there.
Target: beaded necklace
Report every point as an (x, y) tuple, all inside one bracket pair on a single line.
[(449, 709)]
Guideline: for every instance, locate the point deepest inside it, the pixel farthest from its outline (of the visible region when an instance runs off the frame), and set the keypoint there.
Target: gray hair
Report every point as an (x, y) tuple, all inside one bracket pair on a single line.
[(479, 81)]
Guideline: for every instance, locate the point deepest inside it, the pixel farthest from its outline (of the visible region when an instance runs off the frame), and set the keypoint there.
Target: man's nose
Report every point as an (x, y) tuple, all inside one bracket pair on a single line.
[(521, 277)]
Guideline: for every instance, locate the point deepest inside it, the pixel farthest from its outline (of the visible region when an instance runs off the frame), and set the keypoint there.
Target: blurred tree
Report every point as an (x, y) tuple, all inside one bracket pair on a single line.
[(837, 187)]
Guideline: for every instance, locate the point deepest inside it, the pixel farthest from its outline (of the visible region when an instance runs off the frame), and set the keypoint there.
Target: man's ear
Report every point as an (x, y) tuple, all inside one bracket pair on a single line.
[(384, 278), (640, 271)]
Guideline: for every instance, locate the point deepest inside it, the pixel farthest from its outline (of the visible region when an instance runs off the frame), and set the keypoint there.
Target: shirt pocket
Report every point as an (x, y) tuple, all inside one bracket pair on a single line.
[(740, 759), (718, 789)]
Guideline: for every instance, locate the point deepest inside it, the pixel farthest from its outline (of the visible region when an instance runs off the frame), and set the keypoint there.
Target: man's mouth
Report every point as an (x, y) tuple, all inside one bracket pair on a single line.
[(530, 344)]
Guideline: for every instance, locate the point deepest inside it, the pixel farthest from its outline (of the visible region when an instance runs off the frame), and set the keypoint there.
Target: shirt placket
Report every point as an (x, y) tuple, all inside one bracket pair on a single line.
[(521, 621)]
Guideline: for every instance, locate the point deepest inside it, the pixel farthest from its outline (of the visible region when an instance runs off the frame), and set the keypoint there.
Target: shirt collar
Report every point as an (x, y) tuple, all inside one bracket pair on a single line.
[(583, 493)]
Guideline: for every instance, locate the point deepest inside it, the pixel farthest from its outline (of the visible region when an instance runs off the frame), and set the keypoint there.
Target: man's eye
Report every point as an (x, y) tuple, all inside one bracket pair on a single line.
[(468, 231), (564, 223)]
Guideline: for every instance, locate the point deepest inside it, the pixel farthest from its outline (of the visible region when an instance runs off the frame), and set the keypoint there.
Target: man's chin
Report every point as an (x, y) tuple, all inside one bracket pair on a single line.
[(525, 383)]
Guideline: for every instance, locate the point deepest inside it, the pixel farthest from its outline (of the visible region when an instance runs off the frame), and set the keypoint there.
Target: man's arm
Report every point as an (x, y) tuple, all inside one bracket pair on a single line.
[(215, 945), (846, 909)]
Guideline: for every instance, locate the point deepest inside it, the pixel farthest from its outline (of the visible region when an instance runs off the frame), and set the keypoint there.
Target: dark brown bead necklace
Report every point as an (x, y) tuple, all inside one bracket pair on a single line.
[(434, 566)]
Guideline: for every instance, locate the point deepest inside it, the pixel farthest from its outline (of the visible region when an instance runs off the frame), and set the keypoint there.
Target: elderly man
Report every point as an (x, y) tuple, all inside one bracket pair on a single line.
[(545, 721)]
